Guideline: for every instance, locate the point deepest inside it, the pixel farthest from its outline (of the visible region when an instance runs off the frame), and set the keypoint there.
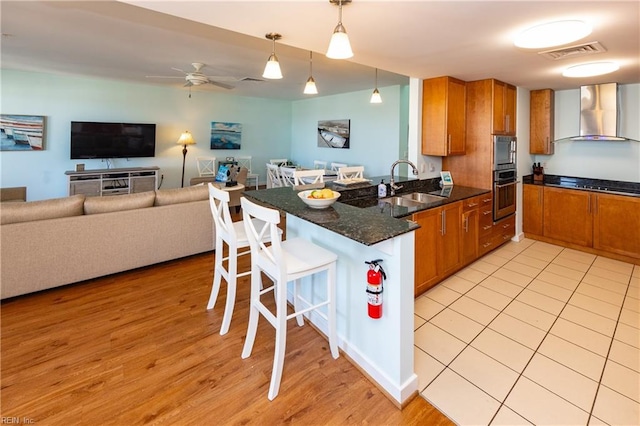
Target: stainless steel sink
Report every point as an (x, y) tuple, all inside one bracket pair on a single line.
[(421, 197), (403, 202)]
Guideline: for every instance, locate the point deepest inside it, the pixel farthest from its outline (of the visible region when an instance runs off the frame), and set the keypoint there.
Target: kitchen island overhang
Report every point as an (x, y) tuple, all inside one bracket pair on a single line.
[(381, 348)]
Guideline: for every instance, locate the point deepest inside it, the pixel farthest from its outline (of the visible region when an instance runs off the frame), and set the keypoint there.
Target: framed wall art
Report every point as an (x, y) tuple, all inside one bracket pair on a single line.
[(225, 135), (21, 132), (334, 133)]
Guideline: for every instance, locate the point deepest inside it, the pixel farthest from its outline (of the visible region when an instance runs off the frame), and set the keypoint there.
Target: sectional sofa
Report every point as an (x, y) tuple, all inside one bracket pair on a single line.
[(49, 243)]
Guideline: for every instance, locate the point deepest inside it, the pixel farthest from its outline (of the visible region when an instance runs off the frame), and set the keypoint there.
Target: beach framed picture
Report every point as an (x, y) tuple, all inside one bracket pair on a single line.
[(21, 132), (334, 134), (225, 135)]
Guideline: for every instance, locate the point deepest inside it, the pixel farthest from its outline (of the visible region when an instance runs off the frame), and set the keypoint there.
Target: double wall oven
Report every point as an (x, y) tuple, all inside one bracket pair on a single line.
[(504, 176)]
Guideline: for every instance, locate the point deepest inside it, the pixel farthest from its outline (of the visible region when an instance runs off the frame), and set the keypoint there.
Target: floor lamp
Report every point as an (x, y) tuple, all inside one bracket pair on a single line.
[(185, 139)]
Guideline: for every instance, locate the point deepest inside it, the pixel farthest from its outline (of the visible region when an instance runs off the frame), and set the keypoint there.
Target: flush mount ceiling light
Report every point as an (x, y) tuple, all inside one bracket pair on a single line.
[(272, 69), (591, 69), (339, 46), (375, 96), (310, 88), (552, 34)]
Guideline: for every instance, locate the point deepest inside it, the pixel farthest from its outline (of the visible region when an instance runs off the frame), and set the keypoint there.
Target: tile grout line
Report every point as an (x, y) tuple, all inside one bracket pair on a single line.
[(613, 337)]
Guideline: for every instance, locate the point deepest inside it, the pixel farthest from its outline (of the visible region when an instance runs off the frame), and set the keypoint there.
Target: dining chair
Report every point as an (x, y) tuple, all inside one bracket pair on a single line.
[(234, 235), (308, 177), (350, 172), (206, 166), (336, 166), (318, 164), (274, 180), (245, 161), (286, 174), (284, 261), (278, 161)]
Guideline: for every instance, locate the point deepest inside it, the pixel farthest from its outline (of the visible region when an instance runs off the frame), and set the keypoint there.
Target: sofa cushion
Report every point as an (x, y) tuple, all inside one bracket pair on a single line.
[(181, 195), (41, 210), (93, 205)]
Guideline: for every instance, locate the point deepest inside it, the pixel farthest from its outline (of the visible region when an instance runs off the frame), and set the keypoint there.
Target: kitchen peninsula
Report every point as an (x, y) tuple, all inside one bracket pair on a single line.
[(382, 348)]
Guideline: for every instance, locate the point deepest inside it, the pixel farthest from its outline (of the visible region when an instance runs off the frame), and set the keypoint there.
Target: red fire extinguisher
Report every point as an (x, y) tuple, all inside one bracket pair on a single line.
[(375, 276)]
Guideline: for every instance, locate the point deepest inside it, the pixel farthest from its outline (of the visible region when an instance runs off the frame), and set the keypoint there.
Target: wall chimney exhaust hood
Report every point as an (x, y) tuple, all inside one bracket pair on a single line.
[(599, 112)]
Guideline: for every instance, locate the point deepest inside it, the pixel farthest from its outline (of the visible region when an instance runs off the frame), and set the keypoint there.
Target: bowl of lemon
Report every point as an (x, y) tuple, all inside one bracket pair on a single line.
[(319, 198)]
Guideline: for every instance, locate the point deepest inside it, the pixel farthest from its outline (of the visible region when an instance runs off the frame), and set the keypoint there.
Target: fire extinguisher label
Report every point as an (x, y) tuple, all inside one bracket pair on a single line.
[(374, 299)]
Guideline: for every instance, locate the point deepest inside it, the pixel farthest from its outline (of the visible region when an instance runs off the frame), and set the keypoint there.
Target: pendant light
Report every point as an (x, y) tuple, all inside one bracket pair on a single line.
[(272, 69), (375, 96), (339, 46), (310, 88)]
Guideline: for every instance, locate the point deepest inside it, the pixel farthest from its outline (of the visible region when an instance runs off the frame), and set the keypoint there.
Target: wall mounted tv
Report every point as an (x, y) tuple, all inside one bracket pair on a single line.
[(112, 140)]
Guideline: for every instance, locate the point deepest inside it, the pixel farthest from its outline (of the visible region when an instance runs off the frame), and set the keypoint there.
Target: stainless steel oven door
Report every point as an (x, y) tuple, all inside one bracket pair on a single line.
[(504, 200)]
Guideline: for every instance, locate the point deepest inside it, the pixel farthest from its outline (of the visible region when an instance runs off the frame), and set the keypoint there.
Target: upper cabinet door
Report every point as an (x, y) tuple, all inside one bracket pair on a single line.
[(443, 116), (541, 122), (504, 109)]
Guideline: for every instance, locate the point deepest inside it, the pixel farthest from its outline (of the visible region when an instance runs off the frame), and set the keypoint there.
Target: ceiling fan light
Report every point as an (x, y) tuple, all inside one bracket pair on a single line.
[(339, 46), (310, 88), (375, 97), (591, 69), (552, 34), (272, 69)]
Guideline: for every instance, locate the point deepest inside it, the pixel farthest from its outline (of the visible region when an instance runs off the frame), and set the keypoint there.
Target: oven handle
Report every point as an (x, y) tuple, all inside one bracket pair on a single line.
[(507, 184)]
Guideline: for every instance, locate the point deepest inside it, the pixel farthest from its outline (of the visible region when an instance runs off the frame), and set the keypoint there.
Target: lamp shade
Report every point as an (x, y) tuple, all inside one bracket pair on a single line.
[(339, 46), (310, 88), (186, 139), (375, 97), (272, 69)]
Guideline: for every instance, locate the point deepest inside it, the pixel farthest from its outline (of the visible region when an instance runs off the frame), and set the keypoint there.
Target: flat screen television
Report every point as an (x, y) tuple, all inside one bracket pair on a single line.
[(112, 140)]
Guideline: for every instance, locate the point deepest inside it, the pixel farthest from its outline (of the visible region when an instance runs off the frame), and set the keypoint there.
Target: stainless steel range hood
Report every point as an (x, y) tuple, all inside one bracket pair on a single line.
[(599, 112)]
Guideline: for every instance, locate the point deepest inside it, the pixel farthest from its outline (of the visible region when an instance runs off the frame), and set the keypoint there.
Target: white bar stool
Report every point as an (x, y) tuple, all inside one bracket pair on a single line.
[(234, 235), (284, 261)]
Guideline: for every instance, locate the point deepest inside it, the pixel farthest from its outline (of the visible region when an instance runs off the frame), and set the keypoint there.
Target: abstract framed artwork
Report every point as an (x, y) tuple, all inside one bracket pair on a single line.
[(21, 132), (334, 134), (225, 135)]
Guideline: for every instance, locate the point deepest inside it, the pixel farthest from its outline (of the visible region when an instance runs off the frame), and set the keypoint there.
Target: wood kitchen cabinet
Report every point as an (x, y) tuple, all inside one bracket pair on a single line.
[(437, 245), (616, 225), (568, 216), (443, 116), (533, 209), (504, 108), (541, 122)]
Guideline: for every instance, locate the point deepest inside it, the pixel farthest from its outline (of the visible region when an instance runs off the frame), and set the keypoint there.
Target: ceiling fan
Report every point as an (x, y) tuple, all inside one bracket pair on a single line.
[(197, 78)]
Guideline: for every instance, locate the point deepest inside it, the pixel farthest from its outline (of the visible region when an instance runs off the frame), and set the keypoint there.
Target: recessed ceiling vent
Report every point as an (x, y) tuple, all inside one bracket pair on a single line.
[(573, 51)]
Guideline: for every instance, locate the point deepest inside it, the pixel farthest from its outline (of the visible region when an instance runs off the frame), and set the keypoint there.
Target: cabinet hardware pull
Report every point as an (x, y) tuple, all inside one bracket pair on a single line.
[(466, 224), (487, 212), (486, 200), (472, 204), (485, 245), (448, 144), (505, 237), (443, 215), (486, 227), (506, 225)]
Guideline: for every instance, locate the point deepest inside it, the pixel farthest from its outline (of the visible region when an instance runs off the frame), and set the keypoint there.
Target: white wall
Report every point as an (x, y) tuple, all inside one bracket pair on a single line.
[(266, 126), (591, 159), (378, 131)]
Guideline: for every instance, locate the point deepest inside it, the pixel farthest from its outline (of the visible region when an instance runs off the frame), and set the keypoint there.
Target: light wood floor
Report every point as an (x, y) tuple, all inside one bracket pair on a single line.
[(141, 348)]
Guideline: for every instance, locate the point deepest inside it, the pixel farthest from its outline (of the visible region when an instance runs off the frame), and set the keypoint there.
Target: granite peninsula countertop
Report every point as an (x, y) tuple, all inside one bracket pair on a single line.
[(358, 214), (617, 187)]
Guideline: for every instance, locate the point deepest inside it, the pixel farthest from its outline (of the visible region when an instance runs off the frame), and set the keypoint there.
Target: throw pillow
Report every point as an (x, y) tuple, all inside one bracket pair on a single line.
[(181, 195)]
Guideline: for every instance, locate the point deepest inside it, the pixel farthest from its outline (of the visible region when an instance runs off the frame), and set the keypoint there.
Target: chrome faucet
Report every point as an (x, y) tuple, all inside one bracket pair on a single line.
[(392, 184)]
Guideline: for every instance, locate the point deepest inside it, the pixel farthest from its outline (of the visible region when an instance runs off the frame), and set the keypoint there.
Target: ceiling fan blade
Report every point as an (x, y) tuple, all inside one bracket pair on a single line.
[(164, 76), (223, 85), (178, 69), (188, 84)]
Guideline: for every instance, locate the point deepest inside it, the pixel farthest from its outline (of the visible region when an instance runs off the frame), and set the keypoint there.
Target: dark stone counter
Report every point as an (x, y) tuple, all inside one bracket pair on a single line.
[(358, 214), (587, 184)]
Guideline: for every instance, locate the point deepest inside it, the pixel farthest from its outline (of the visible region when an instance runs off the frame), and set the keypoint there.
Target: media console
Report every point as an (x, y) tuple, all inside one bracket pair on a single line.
[(104, 182)]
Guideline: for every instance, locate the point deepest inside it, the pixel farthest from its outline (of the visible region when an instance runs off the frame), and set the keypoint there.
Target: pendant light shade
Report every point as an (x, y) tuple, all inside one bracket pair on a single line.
[(339, 46), (310, 88), (272, 69), (375, 96)]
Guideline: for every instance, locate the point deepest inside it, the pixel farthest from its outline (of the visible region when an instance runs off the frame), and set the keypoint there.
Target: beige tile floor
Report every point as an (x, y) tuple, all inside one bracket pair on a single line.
[(533, 333)]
